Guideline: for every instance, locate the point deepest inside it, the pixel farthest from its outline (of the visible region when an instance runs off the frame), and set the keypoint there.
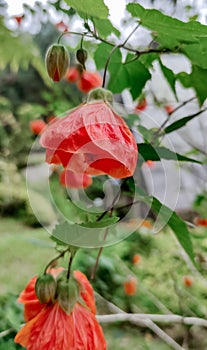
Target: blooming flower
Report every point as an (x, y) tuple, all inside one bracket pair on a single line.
[(54, 329), (93, 139)]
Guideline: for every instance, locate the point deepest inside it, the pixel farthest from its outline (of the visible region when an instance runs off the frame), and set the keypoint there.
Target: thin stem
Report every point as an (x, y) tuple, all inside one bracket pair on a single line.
[(113, 203), (156, 134), (99, 254), (69, 266), (112, 51), (56, 258), (129, 36), (72, 254), (107, 64)]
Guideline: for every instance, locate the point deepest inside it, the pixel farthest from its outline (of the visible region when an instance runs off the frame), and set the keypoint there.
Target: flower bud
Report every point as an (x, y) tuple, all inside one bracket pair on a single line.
[(67, 293), (57, 61), (45, 288), (81, 56)]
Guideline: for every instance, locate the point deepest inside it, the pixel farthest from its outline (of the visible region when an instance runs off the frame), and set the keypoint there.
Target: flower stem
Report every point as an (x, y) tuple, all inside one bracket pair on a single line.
[(56, 258), (71, 257)]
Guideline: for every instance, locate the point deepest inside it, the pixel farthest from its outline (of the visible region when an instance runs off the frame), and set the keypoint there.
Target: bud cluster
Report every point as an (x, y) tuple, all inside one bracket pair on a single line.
[(65, 292)]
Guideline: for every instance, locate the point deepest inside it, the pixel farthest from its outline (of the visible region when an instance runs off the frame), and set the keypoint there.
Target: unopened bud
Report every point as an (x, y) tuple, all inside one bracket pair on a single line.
[(45, 288), (57, 61), (81, 56), (67, 294)]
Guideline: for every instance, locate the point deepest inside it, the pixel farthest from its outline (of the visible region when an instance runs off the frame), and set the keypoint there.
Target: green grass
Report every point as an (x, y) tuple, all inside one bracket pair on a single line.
[(23, 253)]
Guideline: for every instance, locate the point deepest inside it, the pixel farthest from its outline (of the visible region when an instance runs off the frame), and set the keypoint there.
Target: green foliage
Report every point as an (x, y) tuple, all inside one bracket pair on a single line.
[(19, 51), (132, 75), (105, 28), (170, 32), (170, 218), (181, 122), (149, 152), (170, 77), (89, 7), (196, 79)]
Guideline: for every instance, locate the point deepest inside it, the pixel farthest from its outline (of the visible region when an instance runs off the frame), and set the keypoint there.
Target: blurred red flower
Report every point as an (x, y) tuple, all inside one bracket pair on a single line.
[(130, 286), (37, 126), (19, 19), (89, 81), (92, 139), (61, 26), (141, 106), (200, 221), (52, 328), (169, 109), (72, 75)]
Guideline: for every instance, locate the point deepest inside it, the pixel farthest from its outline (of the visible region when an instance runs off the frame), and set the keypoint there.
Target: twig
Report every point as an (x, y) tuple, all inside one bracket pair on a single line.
[(169, 115), (6, 332), (145, 322), (162, 319)]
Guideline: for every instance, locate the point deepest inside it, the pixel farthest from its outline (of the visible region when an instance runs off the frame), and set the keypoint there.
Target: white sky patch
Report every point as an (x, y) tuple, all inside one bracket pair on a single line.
[(116, 12)]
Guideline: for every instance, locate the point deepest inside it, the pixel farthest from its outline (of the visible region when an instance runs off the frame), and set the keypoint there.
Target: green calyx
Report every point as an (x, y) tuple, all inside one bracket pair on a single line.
[(100, 94), (67, 293), (45, 288)]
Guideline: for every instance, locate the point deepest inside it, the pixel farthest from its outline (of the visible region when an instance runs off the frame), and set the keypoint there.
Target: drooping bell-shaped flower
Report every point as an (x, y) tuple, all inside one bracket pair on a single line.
[(92, 139), (69, 323)]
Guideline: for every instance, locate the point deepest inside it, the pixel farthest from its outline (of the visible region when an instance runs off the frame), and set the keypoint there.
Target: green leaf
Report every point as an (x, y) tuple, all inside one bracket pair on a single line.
[(197, 53), (196, 79), (119, 78), (102, 223), (105, 27), (90, 7), (181, 122), (177, 225), (84, 235), (138, 75), (170, 218), (170, 77), (146, 133), (170, 32), (149, 152), (101, 55), (132, 75)]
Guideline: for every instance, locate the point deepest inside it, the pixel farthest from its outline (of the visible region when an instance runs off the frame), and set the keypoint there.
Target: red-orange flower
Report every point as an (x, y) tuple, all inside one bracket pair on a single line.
[(73, 180), (89, 81), (37, 126), (93, 139), (72, 75), (130, 286), (53, 329), (200, 221), (141, 106)]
